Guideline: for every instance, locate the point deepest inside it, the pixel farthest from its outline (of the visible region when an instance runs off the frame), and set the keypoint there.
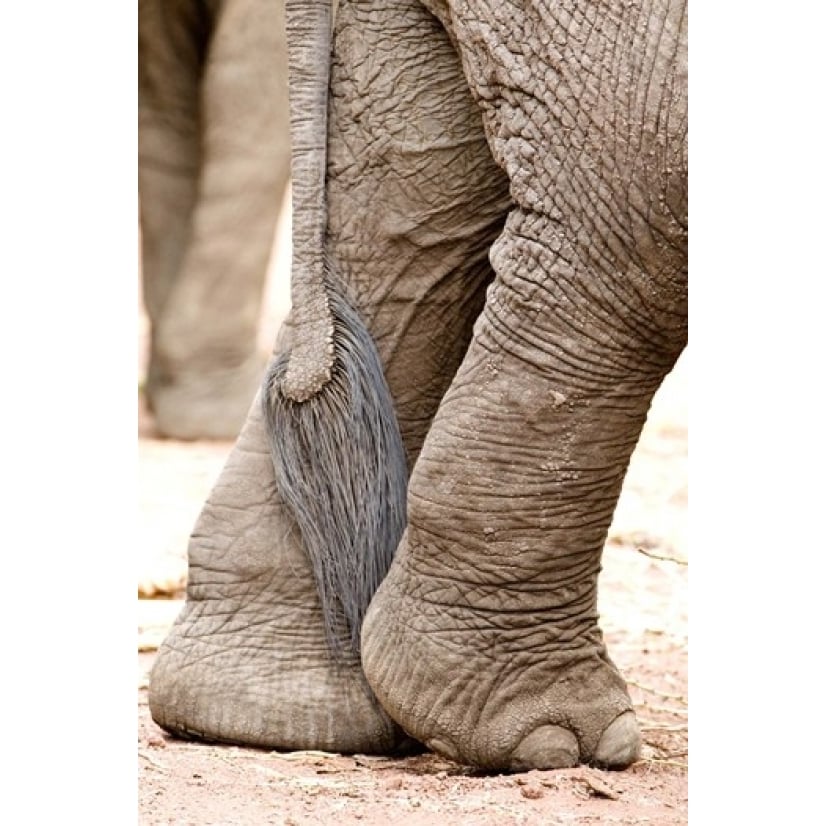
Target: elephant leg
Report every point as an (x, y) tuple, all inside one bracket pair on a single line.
[(483, 640), (415, 199), (205, 365), (246, 660), (412, 215), (172, 43)]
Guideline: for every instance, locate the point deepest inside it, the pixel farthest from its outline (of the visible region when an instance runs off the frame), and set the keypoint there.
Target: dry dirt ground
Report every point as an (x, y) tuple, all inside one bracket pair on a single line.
[(644, 611)]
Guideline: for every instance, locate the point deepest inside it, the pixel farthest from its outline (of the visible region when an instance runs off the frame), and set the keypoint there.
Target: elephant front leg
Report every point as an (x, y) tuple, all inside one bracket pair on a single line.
[(483, 640)]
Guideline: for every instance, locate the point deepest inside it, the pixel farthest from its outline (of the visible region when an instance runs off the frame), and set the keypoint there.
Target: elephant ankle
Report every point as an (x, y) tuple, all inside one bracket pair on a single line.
[(203, 403), (494, 685)]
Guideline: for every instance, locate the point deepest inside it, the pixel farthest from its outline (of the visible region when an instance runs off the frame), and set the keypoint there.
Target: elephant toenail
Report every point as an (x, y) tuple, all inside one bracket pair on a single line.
[(548, 747), (444, 747), (620, 743)]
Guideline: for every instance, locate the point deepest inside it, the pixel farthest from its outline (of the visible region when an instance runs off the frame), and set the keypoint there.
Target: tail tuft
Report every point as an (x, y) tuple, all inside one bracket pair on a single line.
[(341, 468)]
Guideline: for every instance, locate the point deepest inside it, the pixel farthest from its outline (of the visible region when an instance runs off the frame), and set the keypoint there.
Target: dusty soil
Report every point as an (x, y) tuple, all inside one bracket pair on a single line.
[(643, 605)]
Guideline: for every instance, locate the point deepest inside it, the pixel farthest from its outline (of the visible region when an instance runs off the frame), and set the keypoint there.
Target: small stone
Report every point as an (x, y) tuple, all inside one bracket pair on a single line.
[(532, 791)]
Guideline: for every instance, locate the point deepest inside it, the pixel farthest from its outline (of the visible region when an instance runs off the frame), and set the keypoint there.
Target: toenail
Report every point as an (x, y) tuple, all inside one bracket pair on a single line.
[(620, 743), (547, 747)]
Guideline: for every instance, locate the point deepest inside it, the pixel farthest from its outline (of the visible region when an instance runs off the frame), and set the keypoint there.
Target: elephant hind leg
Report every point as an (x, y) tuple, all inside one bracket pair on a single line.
[(415, 198), (412, 215), (483, 640), (247, 661)]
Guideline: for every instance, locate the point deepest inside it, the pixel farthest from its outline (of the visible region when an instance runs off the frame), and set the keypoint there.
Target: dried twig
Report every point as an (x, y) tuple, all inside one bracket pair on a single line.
[(662, 557), (656, 691), (657, 762), (152, 761), (650, 725), (682, 712), (307, 754)]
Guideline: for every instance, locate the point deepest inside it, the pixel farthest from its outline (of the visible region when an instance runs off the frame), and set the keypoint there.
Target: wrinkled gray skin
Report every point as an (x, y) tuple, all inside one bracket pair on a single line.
[(214, 157), (507, 201)]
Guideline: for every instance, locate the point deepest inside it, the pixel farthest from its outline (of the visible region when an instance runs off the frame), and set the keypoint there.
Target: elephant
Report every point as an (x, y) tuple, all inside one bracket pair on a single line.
[(214, 162), (497, 194)]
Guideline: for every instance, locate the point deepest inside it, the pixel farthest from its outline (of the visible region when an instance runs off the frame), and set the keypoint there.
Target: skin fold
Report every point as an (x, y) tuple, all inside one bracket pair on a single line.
[(214, 161), (507, 204)]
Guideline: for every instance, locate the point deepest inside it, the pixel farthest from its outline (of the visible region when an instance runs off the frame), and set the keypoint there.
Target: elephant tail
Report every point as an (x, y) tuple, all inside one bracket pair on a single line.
[(338, 456)]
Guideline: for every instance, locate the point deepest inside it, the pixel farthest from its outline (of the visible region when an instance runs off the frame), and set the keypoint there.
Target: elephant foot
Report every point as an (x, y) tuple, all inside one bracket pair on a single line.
[(203, 404), (249, 678), (246, 661), (499, 689)]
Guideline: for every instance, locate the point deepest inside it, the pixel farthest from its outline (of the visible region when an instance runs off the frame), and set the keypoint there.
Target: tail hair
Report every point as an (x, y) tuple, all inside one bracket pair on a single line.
[(341, 467)]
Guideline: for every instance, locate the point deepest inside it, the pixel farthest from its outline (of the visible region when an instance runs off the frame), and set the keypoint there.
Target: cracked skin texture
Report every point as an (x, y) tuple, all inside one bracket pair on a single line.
[(507, 198)]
